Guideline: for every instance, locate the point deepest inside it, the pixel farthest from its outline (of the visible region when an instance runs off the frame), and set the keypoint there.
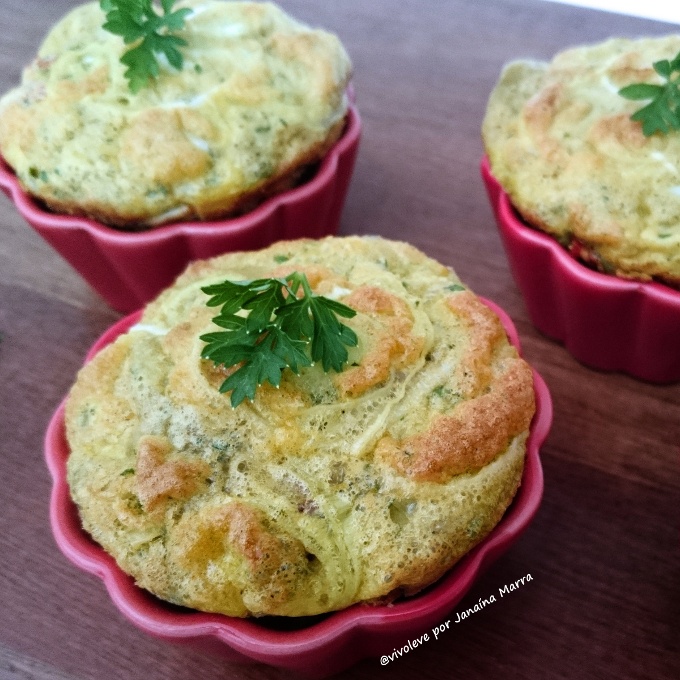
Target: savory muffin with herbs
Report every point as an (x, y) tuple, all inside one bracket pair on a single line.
[(141, 113), (588, 149), (294, 430)]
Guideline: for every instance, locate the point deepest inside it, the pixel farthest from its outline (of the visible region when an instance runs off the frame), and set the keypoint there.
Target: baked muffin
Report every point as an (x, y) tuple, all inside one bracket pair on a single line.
[(260, 99), (561, 142), (334, 488)]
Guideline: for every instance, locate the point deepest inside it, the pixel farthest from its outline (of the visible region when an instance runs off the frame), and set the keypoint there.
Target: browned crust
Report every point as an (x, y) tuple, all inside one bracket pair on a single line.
[(392, 344), (500, 407), (471, 436), (275, 560), (620, 128), (539, 113), (159, 479), (486, 334), (264, 551)]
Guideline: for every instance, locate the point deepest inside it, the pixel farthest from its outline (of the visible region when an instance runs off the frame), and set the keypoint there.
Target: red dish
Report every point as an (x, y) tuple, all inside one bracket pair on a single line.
[(316, 646), (129, 269), (605, 322)]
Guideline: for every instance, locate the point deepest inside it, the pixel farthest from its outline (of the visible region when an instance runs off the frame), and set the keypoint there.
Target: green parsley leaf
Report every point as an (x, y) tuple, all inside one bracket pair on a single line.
[(662, 114), (136, 21), (271, 325), (258, 365)]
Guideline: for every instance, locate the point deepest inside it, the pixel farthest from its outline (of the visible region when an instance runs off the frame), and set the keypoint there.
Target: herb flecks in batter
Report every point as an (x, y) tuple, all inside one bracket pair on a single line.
[(136, 21), (286, 326), (662, 114)]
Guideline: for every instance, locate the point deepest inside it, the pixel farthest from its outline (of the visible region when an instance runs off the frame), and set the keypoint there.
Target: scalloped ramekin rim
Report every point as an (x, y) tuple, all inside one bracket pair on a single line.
[(318, 641), (30, 209), (568, 263), (605, 322)]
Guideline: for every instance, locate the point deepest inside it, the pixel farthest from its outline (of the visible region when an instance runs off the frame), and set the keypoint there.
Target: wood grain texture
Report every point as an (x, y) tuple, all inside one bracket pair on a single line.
[(603, 549)]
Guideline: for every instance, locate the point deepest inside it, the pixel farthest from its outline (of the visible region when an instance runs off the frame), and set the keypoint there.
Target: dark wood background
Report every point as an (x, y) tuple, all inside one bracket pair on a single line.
[(603, 550)]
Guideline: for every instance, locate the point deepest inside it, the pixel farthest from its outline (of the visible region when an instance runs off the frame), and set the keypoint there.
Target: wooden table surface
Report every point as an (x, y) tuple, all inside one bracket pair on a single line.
[(603, 549)]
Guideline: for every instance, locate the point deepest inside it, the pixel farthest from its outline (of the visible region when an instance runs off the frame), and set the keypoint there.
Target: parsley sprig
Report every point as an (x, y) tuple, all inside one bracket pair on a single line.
[(136, 21), (287, 325), (662, 114)]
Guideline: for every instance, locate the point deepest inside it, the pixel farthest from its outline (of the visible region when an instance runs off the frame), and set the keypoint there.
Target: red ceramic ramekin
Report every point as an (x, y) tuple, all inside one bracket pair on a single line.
[(129, 269), (605, 322), (315, 646)]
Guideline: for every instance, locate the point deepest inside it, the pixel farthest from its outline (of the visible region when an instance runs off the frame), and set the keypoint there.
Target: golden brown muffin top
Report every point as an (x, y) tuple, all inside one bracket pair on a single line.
[(561, 142), (260, 95), (333, 488)]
